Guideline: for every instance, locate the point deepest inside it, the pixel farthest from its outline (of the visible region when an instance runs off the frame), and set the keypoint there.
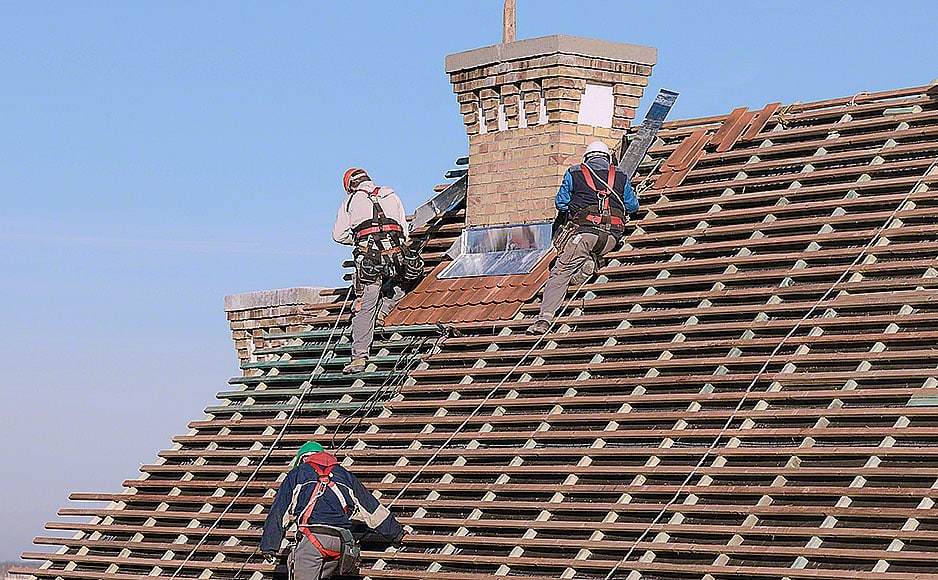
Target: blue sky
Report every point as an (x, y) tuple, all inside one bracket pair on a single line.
[(157, 156)]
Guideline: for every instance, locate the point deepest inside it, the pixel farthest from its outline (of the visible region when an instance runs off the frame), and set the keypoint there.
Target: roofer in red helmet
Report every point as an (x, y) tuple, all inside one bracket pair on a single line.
[(319, 504), (372, 219), (593, 204)]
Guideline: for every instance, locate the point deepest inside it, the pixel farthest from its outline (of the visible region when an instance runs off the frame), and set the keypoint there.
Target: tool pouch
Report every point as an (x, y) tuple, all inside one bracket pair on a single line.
[(412, 264), (350, 559), (563, 236), (368, 267)]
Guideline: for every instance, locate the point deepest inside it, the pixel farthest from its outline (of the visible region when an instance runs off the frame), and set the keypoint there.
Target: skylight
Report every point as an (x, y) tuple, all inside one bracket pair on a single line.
[(498, 250)]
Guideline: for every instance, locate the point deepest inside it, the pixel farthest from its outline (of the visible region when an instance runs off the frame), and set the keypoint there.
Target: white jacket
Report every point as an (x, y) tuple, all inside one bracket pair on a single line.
[(357, 208)]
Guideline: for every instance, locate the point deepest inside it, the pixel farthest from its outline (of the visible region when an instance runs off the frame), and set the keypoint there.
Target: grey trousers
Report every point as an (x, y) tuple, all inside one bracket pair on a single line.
[(378, 298), (306, 562), (574, 255)]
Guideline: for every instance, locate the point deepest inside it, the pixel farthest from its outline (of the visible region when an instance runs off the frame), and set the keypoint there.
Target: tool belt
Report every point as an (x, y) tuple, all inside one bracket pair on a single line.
[(597, 220), (374, 263), (381, 252), (349, 553)]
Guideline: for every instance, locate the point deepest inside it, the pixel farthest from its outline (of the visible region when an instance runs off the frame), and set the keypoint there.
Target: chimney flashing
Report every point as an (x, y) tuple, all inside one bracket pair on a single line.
[(548, 45)]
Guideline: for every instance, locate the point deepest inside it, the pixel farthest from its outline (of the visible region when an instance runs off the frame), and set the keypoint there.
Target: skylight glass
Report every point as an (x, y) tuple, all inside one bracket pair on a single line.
[(499, 250)]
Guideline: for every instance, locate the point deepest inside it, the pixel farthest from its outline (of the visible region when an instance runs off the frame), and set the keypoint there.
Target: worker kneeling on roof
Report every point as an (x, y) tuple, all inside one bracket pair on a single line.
[(593, 204), (319, 503), (372, 219)]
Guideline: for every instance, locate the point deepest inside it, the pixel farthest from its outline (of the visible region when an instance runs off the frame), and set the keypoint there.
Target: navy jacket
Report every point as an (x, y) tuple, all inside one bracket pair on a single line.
[(575, 195), (362, 506)]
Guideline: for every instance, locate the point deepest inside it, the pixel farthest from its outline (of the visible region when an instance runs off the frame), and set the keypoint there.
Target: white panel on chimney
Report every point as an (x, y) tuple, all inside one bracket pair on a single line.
[(542, 115), (596, 106), (522, 116), (483, 128), (502, 119)]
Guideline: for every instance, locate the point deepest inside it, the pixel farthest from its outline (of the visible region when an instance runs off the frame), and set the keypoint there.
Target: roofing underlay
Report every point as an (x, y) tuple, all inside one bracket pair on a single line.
[(752, 380)]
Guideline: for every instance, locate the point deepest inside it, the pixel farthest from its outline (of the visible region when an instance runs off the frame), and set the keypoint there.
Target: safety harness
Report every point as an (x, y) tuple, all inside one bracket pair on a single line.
[(348, 554), (600, 215), (380, 225), (380, 251)]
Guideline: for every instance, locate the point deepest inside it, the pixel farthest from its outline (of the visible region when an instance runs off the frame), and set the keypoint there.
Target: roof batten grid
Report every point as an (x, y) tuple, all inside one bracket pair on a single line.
[(913, 189), (837, 373)]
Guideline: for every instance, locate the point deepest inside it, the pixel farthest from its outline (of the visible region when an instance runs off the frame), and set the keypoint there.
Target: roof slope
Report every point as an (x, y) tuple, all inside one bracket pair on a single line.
[(472, 299), (748, 390)]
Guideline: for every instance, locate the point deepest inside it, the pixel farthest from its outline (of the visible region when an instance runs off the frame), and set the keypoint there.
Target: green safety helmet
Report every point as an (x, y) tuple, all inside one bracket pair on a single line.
[(306, 449)]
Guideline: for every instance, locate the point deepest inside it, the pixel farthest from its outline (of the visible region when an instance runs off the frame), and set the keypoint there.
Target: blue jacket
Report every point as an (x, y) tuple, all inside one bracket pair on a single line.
[(362, 506), (572, 196)]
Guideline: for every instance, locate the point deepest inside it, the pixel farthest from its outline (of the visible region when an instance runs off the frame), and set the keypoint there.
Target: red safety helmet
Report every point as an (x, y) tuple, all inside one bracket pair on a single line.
[(353, 178)]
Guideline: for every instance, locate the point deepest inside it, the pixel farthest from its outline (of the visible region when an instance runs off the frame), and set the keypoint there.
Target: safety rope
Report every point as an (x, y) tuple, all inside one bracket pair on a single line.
[(273, 445), (372, 402), (490, 394), (765, 365), (612, 191)]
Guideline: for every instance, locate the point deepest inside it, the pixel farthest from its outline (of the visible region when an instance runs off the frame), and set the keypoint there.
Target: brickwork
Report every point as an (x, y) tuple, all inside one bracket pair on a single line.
[(257, 318), (517, 183), (521, 103)]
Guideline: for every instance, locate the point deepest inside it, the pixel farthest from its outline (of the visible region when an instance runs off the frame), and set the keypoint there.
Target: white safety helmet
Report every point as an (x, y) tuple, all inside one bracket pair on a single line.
[(597, 148)]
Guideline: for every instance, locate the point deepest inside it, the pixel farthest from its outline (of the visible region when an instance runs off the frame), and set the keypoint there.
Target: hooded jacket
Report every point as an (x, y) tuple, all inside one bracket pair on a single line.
[(297, 489), (357, 208)]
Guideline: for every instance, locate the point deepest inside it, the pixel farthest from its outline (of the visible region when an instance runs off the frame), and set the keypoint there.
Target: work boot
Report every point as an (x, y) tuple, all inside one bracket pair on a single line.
[(355, 366), (539, 327)]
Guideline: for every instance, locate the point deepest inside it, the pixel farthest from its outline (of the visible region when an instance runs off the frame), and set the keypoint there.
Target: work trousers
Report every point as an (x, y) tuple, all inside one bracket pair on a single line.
[(375, 301), (574, 255), (305, 561)]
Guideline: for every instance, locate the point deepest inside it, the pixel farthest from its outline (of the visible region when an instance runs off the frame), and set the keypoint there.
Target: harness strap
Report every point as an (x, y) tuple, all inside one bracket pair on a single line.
[(598, 220), (378, 229), (327, 554), (325, 483), (604, 215), (610, 181), (380, 223)]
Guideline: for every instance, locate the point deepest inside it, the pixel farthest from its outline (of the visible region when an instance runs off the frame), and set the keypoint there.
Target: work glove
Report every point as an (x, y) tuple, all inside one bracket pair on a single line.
[(559, 222)]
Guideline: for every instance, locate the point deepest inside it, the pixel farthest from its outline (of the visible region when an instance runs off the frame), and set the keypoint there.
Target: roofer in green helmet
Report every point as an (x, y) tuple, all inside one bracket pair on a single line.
[(319, 504)]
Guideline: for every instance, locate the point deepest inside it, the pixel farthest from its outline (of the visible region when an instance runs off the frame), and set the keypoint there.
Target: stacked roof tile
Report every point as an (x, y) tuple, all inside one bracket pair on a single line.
[(748, 390), (472, 299)]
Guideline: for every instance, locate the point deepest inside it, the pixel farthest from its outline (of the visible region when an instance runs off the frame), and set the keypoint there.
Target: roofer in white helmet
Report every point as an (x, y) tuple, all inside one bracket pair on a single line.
[(593, 204), (372, 219)]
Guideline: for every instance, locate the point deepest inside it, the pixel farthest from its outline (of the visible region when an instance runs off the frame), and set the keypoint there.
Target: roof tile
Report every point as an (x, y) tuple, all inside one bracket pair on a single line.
[(469, 299), (834, 442)]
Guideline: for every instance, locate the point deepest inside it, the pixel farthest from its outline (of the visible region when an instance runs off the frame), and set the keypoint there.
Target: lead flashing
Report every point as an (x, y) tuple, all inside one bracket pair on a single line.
[(547, 45)]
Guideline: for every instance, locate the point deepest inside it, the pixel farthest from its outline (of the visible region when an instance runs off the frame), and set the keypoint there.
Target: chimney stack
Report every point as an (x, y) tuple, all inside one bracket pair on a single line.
[(530, 108)]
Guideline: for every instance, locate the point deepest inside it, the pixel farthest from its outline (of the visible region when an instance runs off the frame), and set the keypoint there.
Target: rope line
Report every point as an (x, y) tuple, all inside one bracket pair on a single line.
[(876, 237), (372, 402), (273, 445), (490, 394)]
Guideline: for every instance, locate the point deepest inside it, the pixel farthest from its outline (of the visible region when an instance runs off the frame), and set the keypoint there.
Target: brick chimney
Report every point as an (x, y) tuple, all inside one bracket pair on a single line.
[(257, 318), (530, 108)]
